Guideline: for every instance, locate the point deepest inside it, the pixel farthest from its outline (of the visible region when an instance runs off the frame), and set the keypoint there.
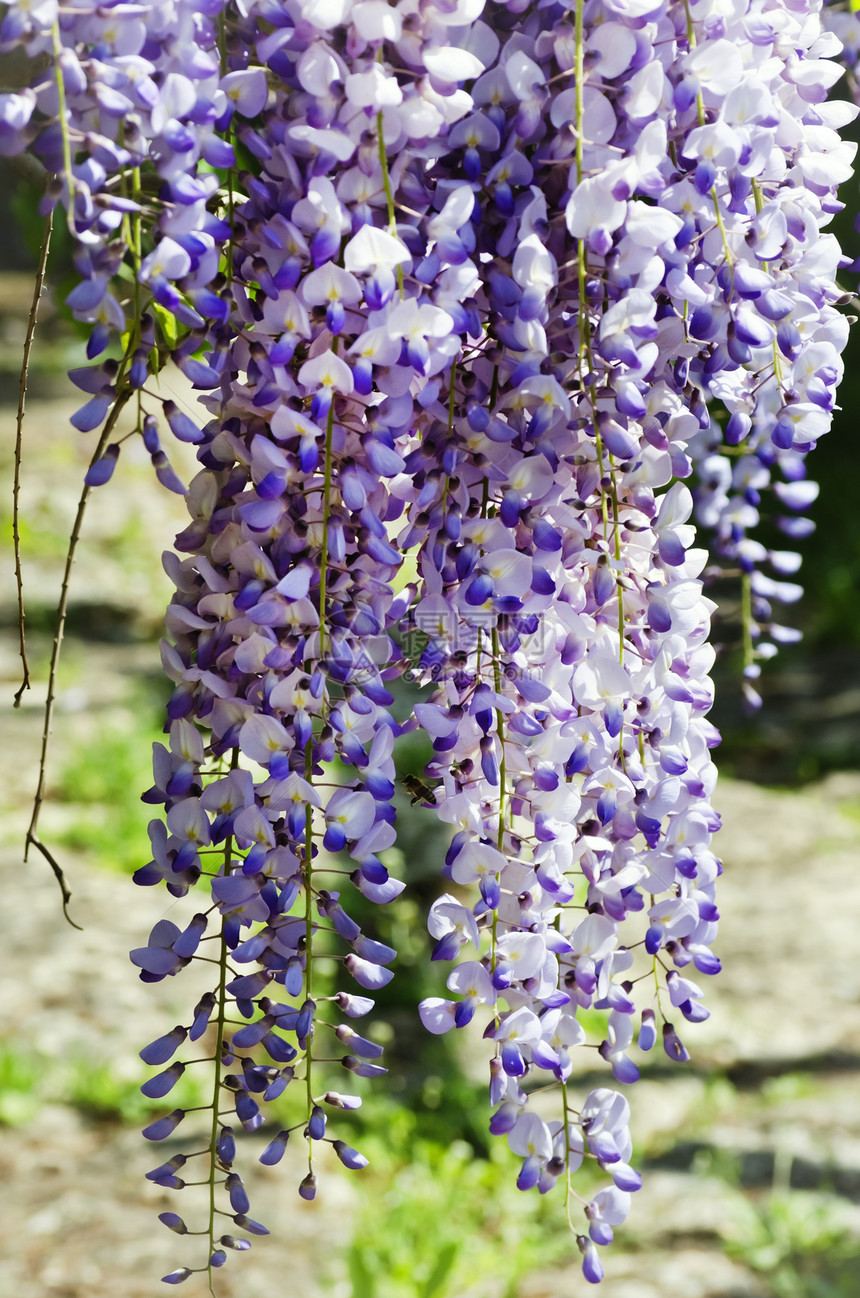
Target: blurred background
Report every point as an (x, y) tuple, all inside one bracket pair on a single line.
[(751, 1153)]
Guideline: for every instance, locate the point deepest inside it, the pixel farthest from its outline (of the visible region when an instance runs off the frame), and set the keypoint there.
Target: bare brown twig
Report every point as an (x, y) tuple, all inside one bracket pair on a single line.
[(16, 482), (32, 839)]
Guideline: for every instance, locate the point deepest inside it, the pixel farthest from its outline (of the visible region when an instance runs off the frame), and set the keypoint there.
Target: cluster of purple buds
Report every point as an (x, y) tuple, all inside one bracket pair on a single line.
[(468, 291)]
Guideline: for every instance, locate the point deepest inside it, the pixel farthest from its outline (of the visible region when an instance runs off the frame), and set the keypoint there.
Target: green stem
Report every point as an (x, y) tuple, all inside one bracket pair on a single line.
[(759, 204), (494, 389), (216, 1095), (225, 68), (222, 41), (746, 618), (219, 1050), (567, 1185), (329, 429), (579, 75), (584, 329), (500, 731), (389, 196), (702, 118), (309, 933), (64, 126), (133, 238)]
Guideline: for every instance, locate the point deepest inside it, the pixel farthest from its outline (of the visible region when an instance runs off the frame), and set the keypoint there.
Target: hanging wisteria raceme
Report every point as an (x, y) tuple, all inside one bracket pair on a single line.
[(773, 332), (474, 290), (282, 609), (667, 302), (571, 731), (130, 115)]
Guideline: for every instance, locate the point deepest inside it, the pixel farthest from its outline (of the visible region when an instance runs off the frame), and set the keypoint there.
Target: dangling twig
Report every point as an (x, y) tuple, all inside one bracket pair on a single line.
[(58, 875), (16, 482), (32, 838)]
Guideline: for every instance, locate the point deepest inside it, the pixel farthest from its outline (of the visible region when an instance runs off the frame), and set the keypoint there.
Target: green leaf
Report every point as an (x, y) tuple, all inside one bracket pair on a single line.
[(167, 324), (361, 1277), (442, 1268)]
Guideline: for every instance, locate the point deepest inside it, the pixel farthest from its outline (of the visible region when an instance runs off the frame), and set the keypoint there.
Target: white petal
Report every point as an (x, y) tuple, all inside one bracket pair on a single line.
[(448, 63)]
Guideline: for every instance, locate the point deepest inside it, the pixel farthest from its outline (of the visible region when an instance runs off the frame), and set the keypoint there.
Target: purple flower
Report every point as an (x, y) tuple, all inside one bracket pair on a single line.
[(471, 310), (350, 1158)]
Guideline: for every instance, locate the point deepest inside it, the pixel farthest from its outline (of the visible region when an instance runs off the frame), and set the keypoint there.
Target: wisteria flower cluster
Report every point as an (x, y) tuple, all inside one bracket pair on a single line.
[(469, 292)]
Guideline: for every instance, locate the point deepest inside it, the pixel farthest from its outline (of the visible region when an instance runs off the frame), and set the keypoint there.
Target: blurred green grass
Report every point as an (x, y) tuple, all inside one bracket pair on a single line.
[(800, 1243), (100, 783), (436, 1221), (94, 1088)]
